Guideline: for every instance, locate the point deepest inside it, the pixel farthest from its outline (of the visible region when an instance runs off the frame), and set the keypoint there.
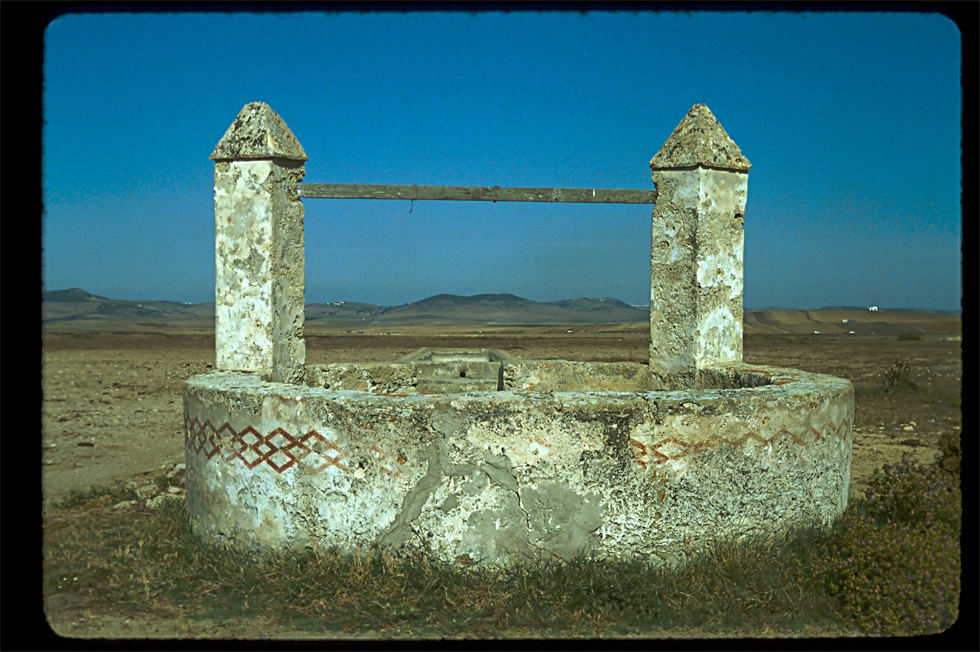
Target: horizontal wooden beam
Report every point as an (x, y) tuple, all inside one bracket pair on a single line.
[(475, 193)]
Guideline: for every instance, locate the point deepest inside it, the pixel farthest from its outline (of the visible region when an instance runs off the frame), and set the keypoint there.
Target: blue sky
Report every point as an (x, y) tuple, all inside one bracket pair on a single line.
[(851, 121)]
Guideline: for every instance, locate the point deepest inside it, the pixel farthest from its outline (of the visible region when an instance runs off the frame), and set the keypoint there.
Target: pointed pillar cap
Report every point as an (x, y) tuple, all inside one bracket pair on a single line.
[(700, 140), (258, 133)]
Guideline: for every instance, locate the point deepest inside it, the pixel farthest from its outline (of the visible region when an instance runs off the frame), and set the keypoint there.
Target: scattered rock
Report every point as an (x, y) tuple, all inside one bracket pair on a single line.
[(173, 470), (66, 600), (908, 428), (159, 500), (124, 504), (910, 442), (147, 490)]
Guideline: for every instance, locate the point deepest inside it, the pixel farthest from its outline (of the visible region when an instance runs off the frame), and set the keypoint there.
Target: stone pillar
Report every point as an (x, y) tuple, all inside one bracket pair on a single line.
[(696, 255), (259, 249)]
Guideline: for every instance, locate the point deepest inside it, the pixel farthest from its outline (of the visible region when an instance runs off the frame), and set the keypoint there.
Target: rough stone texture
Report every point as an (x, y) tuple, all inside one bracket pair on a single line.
[(258, 133), (259, 248), (700, 140), (696, 251), (477, 456), (505, 476), (450, 371), (458, 376), (459, 373)]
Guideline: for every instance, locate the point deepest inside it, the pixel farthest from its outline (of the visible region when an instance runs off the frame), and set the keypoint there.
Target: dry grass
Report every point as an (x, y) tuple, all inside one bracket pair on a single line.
[(137, 561), (140, 561), (145, 563)]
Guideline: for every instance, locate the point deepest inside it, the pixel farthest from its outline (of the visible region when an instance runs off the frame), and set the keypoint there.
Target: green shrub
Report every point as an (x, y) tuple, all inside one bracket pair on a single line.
[(914, 494), (898, 376), (893, 560), (904, 337), (894, 579), (117, 492)]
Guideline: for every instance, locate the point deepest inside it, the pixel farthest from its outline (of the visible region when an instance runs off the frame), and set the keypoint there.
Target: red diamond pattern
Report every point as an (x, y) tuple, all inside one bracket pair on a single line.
[(236, 447), (759, 440), (844, 430), (250, 454), (294, 445), (201, 437), (709, 442), (786, 433), (672, 448), (323, 444), (278, 458), (640, 453), (279, 449)]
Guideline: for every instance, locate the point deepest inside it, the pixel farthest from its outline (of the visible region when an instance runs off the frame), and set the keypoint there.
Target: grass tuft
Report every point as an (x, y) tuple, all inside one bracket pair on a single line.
[(889, 566), (114, 492), (895, 561)]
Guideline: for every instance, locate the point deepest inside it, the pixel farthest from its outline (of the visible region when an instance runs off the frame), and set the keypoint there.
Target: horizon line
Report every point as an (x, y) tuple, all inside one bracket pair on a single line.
[(868, 308)]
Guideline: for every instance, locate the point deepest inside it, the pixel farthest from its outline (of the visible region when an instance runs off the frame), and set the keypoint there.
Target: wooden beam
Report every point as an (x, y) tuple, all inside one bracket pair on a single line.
[(476, 193)]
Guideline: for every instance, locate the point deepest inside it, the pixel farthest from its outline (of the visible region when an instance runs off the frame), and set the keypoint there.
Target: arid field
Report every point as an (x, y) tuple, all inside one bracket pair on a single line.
[(112, 412)]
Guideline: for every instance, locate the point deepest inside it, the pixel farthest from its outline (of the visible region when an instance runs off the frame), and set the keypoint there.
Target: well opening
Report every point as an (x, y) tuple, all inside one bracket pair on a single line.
[(458, 371)]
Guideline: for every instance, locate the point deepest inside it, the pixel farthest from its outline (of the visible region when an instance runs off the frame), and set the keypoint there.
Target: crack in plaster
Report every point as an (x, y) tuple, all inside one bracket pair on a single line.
[(446, 425), (415, 500), (499, 471)]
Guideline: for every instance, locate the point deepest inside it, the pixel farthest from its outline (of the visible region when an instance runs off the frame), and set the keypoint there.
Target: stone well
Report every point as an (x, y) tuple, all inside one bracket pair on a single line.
[(479, 456)]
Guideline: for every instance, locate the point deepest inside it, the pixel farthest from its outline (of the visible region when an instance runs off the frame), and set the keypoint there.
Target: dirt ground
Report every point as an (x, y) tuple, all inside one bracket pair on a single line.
[(112, 401), (112, 407)]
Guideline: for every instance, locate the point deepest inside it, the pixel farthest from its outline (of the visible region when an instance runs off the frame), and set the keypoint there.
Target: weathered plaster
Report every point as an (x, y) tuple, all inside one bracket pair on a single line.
[(504, 476), (259, 247), (476, 456), (697, 247)]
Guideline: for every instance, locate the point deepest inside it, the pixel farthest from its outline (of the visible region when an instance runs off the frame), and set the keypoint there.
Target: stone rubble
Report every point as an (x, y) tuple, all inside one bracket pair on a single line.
[(167, 484)]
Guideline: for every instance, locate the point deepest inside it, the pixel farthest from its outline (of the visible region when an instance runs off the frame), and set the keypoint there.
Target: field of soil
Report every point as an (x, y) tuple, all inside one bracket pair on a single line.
[(112, 400), (112, 407)]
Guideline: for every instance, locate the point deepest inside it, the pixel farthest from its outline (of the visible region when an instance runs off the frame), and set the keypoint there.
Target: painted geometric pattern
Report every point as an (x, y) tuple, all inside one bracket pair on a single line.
[(279, 449), (674, 448)]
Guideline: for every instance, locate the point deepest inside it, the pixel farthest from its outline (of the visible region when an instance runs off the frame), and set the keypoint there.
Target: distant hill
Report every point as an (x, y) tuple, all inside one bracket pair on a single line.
[(77, 305), (506, 309), (71, 295)]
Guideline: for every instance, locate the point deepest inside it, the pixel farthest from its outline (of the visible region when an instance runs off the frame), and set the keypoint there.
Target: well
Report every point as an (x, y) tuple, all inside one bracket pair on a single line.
[(476, 455)]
